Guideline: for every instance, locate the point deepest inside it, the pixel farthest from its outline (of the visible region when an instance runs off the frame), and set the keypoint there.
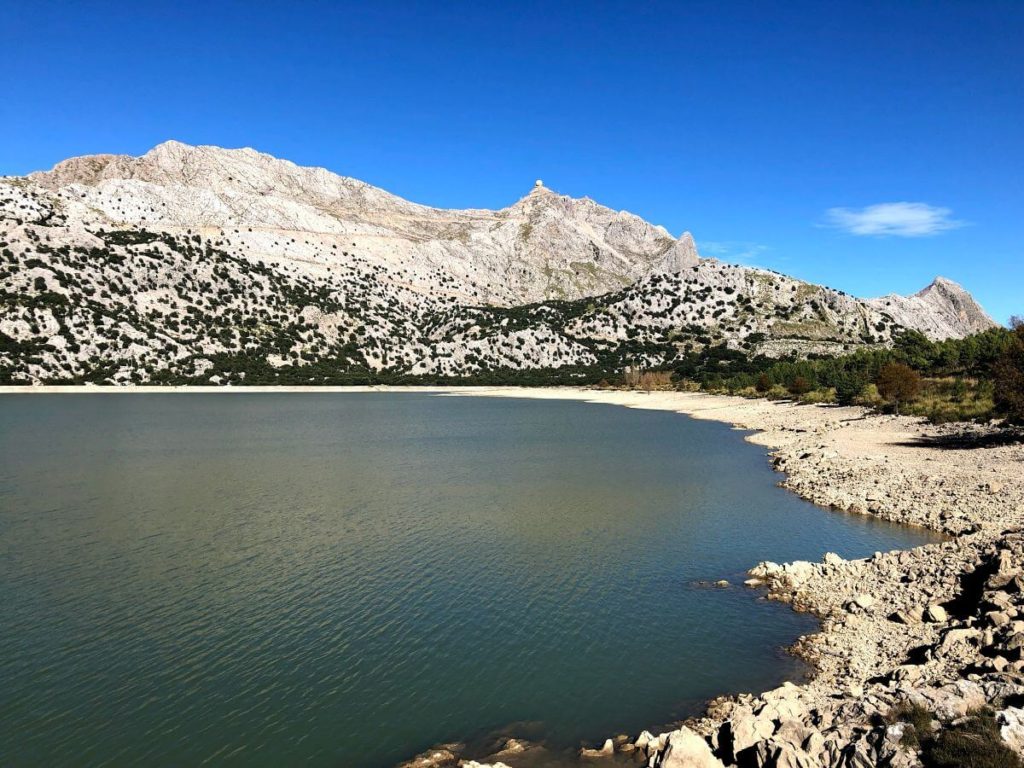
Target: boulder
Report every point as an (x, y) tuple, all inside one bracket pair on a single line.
[(606, 750), (936, 613), (998, 618), (1002, 580), (908, 616), (951, 701), (907, 673), (863, 601), (685, 749), (788, 756), (1015, 642), (1004, 561), (956, 637), (645, 738), (793, 733), (1011, 728), (513, 746), (444, 756), (744, 730), (766, 570), (798, 570), (999, 600)]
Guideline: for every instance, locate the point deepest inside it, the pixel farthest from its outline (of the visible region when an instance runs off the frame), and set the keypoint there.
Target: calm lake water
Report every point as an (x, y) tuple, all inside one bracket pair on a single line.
[(346, 579)]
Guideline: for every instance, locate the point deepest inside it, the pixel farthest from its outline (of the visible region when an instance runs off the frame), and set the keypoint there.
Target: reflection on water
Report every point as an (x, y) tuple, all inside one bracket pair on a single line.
[(346, 579)]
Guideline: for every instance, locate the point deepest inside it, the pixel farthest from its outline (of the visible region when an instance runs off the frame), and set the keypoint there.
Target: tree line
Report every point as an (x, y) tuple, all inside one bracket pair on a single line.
[(987, 367)]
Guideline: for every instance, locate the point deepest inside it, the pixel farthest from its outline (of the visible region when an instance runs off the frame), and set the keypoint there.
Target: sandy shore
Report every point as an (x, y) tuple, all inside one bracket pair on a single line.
[(941, 625)]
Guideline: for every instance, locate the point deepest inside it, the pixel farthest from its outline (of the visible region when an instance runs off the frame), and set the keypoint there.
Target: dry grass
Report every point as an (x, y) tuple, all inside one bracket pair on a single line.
[(649, 381), (951, 399), (971, 743)]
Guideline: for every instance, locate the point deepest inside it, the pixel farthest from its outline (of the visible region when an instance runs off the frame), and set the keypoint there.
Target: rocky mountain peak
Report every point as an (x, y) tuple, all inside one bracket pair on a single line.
[(681, 255), (940, 310), (942, 285)]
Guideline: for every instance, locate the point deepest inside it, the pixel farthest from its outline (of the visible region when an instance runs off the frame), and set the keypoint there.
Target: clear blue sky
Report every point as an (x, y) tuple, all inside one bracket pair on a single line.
[(778, 133)]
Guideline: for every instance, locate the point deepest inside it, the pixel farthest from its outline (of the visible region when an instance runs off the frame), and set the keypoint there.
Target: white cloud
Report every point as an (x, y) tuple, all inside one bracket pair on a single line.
[(895, 219), (731, 250)]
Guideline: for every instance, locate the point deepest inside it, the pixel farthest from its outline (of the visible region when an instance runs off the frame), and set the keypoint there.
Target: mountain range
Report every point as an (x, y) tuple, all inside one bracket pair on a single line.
[(197, 264)]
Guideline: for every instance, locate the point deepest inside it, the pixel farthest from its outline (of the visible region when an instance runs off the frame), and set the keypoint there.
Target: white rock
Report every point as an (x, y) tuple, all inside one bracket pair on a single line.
[(685, 749)]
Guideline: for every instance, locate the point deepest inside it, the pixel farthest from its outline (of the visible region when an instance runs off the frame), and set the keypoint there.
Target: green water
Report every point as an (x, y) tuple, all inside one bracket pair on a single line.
[(344, 580)]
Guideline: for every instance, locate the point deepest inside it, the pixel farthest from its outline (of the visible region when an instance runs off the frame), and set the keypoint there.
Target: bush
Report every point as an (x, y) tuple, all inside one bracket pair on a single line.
[(1008, 377), (648, 380), (918, 722), (973, 743), (799, 386), (868, 397), (849, 386), (816, 396), (958, 393), (897, 383), (945, 400)]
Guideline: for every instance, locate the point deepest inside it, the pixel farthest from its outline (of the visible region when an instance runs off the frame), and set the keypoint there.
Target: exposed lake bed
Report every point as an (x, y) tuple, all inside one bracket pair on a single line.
[(520, 552)]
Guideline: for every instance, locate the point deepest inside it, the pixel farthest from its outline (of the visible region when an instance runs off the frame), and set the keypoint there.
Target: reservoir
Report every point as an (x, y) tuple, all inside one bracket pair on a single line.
[(347, 579)]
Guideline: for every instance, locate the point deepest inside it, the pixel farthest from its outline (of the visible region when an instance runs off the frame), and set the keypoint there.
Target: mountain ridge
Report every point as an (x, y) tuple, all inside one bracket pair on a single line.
[(243, 187), (119, 268)]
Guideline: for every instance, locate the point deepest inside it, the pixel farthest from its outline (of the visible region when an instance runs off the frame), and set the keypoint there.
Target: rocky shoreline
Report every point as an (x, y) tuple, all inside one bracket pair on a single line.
[(912, 643)]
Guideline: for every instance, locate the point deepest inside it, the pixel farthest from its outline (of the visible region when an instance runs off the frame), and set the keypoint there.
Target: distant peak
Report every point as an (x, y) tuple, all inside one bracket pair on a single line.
[(538, 188), (943, 284), (171, 144)]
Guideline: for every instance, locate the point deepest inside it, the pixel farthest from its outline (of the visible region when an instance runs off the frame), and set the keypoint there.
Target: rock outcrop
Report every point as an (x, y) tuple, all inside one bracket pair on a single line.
[(941, 310)]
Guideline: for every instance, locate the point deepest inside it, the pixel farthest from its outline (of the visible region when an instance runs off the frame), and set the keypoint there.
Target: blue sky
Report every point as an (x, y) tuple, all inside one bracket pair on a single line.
[(865, 145)]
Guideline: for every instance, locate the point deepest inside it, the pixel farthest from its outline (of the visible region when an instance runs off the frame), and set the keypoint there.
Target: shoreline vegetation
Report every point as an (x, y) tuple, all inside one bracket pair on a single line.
[(920, 653), (977, 378)]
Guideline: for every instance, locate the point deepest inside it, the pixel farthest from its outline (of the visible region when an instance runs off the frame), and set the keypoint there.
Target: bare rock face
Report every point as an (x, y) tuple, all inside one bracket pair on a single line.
[(940, 311), (200, 264), (544, 246), (681, 255), (686, 749)]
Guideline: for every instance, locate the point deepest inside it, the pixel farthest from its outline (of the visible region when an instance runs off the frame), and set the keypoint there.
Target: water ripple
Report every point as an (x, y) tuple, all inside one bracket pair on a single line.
[(345, 580)]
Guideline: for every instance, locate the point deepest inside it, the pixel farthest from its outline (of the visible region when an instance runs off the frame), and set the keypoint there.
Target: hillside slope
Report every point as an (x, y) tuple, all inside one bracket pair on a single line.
[(202, 264)]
